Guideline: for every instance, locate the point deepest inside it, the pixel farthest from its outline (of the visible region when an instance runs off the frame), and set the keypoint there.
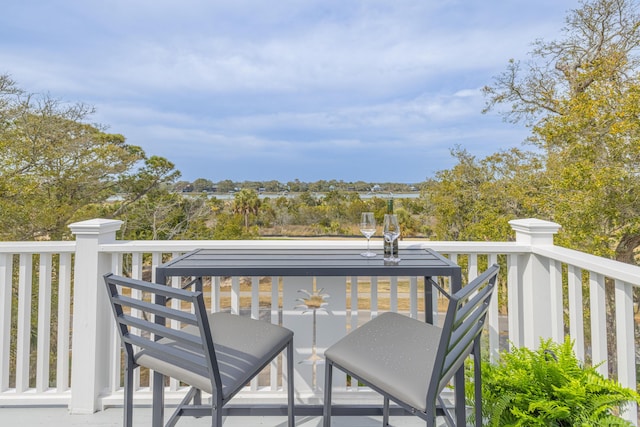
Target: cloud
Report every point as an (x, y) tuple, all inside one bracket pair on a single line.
[(304, 84)]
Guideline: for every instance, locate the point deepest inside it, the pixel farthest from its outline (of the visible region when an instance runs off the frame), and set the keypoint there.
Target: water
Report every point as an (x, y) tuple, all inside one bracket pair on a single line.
[(363, 196)]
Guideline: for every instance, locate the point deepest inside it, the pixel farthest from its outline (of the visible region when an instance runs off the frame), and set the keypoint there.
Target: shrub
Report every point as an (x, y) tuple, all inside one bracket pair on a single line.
[(549, 387)]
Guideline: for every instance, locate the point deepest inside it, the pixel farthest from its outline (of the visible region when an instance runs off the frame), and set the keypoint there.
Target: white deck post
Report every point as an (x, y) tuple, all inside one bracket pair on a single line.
[(536, 309), (91, 316)]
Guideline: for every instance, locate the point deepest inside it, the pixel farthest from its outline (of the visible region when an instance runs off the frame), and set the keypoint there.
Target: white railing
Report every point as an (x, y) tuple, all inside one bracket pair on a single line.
[(59, 346)]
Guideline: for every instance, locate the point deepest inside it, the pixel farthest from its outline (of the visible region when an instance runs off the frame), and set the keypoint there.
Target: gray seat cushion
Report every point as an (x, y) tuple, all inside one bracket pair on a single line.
[(392, 352), (242, 346)]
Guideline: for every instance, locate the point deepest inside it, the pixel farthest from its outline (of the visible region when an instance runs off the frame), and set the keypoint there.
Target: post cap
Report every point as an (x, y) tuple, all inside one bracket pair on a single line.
[(96, 226), (534, 231)]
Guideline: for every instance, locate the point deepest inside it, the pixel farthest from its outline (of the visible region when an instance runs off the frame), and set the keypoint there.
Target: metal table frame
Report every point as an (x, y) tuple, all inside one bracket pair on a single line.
[(316, 262)]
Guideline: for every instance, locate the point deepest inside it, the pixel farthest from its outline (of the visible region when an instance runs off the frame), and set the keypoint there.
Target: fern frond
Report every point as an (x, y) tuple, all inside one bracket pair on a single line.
[(498, 411)]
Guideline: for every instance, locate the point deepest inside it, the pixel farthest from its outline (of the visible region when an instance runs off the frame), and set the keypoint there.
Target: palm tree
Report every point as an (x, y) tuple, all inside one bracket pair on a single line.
[(246, 202)]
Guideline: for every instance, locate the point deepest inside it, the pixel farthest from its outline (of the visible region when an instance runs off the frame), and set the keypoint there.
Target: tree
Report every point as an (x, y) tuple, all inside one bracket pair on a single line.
[(476, 198), (246, 203), (226, 186), (580, 96), (164, 215), (53, 165), (278, 211), (230, 227), (201, 184)]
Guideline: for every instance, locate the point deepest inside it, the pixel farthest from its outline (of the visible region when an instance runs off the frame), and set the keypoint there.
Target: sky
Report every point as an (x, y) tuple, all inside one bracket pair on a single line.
[(247, 90)]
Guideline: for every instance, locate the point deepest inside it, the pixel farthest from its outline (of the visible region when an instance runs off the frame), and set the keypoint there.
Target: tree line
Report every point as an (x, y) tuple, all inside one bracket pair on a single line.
[(295, 186)]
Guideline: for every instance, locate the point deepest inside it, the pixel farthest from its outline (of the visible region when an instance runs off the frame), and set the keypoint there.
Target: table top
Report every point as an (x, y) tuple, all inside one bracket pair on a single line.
[(305, 262)]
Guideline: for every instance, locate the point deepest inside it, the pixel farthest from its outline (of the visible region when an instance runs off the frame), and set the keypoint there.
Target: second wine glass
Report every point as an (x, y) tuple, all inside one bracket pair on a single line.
[(391, 232), (368, 228)]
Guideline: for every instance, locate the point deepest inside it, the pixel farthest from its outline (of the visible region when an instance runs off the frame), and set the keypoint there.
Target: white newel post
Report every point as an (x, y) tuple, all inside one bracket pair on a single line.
[(535, 307), (91, 316)]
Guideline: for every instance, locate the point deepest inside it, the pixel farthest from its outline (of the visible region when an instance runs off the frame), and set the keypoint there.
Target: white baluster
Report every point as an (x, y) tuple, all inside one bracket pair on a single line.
[(302, 327), (275, 319), (44, 323), (597, 304), (23, 345), (374, 297), (6, 270), (64, 322), (413, 297), (514, 302), (235, 295), (625, 344), (354, 302), (255, 314), (494, 318), (331, 324), (576, 309), (393, 294), (556, 303)]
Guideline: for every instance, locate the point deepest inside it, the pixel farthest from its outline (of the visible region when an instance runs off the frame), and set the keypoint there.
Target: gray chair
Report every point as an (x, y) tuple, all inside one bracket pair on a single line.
[(215, 353), (410, 362)]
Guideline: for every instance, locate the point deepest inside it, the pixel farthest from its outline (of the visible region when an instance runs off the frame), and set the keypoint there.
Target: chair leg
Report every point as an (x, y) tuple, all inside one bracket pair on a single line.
[(385, 412), (158, 400), (128, 393), (290, 388), (327, 393), (216, 417), (477, 381), (216, 409)]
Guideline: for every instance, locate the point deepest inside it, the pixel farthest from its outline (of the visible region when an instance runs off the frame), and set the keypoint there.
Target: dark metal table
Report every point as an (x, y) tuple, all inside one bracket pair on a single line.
[(318, 262)]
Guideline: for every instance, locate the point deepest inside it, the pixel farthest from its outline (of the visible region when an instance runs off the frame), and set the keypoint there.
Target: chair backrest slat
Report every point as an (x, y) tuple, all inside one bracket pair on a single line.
[(455, 358), (462, 329), (180, 338), (159, 310), (471, 306), (463, 324), (165, 291)]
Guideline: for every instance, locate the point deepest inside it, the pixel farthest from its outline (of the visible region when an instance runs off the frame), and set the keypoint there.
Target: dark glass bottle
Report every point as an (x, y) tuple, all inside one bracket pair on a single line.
[(387, 245)]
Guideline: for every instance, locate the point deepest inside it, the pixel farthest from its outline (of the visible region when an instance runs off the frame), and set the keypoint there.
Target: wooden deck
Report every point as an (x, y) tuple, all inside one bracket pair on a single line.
[(112, 417)]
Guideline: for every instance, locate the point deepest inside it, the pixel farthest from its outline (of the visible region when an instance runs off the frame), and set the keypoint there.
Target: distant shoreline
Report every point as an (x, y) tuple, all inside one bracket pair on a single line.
[(289, 195), (318, 195)]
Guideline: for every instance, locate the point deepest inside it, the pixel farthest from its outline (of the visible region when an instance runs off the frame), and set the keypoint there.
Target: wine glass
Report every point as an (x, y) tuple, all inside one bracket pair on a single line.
[(368, 228), (391, 232)]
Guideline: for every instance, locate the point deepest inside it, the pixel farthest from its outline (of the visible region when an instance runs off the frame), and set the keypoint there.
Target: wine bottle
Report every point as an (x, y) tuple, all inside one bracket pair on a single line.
[(388, 246)]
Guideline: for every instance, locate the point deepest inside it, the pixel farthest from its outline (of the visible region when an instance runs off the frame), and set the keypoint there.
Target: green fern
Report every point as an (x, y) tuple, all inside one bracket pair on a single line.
[(549, 387)]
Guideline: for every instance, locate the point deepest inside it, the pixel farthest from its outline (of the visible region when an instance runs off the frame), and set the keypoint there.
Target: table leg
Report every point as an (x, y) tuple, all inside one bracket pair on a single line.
[(428, 300)]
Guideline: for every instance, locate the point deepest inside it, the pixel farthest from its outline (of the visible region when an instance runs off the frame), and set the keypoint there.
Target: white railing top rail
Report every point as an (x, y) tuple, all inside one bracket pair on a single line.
[(37, 247), (607, 267)]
